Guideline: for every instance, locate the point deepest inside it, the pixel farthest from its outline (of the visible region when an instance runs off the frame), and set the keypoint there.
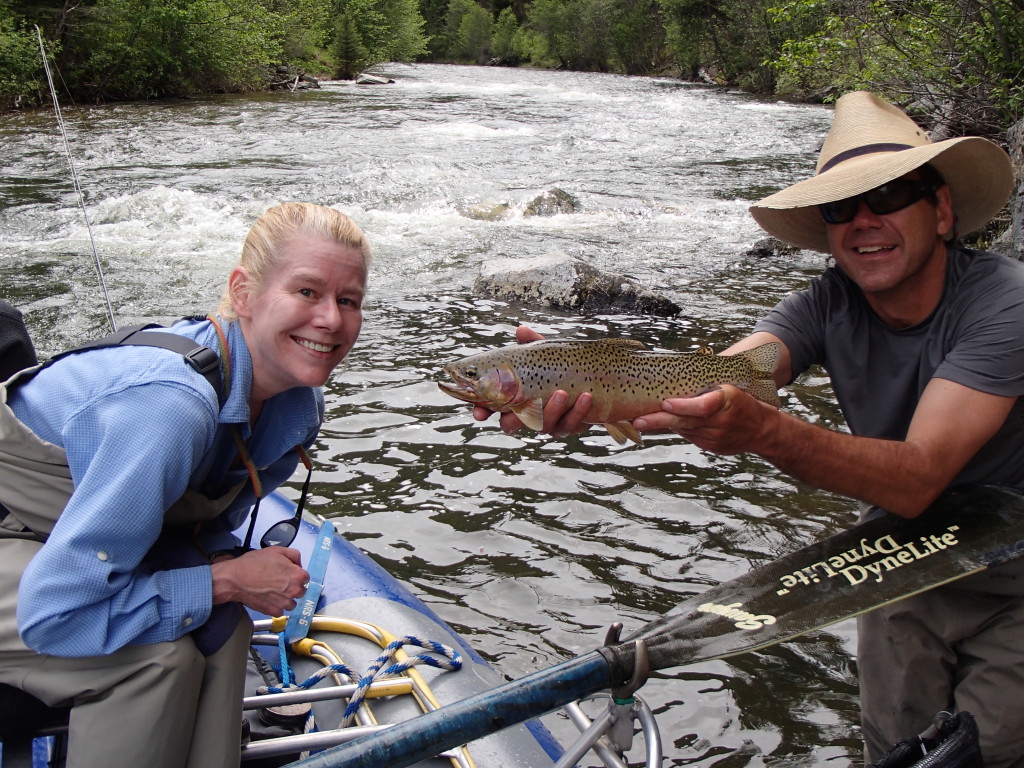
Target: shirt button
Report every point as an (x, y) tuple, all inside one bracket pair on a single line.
[(188, 621), (102, 555)]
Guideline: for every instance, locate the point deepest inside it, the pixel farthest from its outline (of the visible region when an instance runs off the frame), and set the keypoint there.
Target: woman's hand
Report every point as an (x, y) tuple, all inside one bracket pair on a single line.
[(559, 418), (267, 580)]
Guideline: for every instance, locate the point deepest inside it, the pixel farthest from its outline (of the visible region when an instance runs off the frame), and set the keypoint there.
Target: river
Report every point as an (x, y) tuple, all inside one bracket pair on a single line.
[(528, 545)]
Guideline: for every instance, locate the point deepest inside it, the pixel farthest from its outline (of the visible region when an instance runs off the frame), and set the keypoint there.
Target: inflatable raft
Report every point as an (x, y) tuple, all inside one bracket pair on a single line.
[(361, 611)]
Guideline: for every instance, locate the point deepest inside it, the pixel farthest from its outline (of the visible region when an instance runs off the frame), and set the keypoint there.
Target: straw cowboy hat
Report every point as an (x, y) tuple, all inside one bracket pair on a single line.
[(871, 142)]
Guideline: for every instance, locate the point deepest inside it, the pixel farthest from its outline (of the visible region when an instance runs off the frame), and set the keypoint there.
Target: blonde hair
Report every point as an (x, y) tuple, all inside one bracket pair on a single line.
[(282, 224)]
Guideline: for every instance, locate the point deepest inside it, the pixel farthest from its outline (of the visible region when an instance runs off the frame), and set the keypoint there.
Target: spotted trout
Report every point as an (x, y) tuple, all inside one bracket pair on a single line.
[(625, 379)]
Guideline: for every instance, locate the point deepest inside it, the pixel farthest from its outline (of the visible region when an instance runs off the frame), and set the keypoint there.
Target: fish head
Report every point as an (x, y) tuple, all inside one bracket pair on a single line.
[(492, 383)]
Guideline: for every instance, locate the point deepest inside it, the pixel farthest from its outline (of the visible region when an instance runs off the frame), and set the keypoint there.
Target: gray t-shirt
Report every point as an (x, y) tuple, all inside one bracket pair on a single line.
[(975, 337)]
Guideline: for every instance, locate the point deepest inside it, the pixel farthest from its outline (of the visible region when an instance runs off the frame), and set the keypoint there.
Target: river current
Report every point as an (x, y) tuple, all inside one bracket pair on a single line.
[(530, 546)]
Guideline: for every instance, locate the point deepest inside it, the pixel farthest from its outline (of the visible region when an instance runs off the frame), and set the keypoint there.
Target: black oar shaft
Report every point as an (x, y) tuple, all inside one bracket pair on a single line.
[(462, 722)]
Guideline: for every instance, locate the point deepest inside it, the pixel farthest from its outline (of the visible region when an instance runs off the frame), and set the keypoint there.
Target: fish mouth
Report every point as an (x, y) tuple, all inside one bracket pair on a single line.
[(459, 391)]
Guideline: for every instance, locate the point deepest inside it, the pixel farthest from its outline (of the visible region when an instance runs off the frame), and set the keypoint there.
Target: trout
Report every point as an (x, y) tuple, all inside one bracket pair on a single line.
[(625, 379)]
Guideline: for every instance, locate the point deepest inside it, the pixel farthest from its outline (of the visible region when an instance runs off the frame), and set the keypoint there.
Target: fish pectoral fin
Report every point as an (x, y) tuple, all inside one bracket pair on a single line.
[(622, 431), (531, 413)]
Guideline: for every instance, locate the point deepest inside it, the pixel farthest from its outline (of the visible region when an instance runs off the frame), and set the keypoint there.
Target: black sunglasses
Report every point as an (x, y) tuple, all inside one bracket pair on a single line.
[(888, 198), (283, 533)]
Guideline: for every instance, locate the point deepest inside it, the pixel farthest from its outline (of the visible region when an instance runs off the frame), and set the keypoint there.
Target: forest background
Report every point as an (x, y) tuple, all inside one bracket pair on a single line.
[(957, 64)]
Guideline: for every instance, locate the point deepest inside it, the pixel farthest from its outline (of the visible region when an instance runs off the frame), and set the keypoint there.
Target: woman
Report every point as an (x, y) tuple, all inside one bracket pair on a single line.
[(123, 461)]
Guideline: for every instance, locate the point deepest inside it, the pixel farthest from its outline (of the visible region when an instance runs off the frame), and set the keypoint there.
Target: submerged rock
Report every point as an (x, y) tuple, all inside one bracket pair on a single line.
[(562, 282), (488, 211)]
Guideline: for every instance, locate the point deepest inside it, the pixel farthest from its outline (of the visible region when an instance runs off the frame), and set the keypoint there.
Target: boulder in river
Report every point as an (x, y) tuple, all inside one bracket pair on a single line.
[(771, 246), (486, 211), (551, 203), (562, 282)]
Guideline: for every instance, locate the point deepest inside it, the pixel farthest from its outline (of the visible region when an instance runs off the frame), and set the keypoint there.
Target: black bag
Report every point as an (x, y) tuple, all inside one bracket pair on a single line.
[(16, 350), (950, 742)]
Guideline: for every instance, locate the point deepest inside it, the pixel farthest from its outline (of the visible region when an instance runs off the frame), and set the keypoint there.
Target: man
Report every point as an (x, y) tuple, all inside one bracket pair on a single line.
[(924, 344)]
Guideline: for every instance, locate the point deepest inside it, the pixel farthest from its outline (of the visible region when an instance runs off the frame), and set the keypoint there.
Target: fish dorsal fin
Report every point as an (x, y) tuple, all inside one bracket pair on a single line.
[(622, 431), (531, 413), (705, 351), (625, 343)]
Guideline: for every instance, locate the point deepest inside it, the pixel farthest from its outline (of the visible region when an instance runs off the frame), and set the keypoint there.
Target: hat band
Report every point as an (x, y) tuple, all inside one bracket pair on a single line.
[(867, 149)]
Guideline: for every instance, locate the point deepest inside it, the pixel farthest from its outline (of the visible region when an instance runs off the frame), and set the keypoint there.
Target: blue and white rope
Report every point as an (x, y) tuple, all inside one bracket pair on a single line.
[(450, 661)]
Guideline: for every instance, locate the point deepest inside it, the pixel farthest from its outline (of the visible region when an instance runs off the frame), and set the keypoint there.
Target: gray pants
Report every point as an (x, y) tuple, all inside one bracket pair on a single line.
[(945, 649), (162, 705)]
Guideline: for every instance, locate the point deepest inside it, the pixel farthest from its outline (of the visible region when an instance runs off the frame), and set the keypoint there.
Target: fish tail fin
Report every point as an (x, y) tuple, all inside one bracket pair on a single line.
[(531, 413), (763, 359), (764, 390), (622, 431)]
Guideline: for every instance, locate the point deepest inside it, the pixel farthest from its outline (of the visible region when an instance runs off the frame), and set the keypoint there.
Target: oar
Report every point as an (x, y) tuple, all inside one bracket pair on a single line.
[(867, 566)]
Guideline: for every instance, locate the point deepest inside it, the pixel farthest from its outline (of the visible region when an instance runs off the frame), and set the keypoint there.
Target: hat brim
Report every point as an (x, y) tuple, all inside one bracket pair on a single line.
[(979, 175)]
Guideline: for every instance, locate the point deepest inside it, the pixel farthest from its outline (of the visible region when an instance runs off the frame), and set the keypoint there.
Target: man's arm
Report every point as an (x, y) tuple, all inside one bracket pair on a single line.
[(949, 426)]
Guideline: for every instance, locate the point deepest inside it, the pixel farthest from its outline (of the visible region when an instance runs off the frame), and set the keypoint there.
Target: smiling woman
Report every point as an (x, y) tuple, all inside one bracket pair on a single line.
[(121, 585), (297, 294)]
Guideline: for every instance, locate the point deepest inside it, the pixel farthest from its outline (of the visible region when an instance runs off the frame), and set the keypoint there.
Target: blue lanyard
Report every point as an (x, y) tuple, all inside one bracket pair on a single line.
[(302, 615)]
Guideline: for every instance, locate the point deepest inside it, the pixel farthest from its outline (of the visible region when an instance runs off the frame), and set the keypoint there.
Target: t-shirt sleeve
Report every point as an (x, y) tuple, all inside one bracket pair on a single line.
[(797, 321), (988, 354)]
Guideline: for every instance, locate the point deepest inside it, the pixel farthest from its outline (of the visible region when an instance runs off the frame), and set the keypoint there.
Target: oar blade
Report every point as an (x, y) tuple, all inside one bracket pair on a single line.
[(874, 563)]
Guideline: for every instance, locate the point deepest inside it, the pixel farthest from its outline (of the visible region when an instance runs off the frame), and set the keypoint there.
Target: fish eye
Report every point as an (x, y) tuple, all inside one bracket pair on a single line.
[(470, 373)]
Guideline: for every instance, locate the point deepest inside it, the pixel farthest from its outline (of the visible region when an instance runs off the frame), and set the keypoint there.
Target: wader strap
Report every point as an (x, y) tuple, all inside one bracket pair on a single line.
[(200, 358)]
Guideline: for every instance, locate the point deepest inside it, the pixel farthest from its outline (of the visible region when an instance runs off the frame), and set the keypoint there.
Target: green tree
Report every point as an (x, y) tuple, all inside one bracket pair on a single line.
[(391, 30), (468, 31), (150, 48), (958, 62), (21, 72), (638, 36), (503, 41), (573, 34), (349, 52)]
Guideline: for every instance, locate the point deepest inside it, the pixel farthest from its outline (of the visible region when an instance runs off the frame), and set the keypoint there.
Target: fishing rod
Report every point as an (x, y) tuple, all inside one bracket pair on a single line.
[(872, 564), (74, 177)]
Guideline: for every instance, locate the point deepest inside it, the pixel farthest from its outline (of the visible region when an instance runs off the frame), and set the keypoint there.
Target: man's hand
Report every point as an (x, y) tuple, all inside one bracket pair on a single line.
[(559, 418), (726, 420), (267, 580)]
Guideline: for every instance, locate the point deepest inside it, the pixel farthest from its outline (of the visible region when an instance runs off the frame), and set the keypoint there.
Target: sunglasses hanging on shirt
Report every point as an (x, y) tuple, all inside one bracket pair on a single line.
[(282, 533)]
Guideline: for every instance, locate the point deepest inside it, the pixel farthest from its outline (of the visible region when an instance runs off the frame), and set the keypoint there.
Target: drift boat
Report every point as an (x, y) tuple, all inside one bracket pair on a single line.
[(335, 641)]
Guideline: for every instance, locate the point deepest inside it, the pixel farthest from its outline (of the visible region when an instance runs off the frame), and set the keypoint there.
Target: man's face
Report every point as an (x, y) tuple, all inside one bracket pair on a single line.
[(894, 254)]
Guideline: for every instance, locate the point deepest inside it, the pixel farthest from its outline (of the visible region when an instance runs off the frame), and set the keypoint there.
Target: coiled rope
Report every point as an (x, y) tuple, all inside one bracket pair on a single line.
[(445, 658)]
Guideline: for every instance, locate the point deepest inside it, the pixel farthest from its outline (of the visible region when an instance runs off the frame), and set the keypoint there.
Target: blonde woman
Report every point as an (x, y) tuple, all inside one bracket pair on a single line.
[(121, 585)]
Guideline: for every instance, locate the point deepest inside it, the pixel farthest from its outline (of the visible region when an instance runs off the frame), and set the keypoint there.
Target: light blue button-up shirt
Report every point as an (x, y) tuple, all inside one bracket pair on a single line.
[(139, 427)]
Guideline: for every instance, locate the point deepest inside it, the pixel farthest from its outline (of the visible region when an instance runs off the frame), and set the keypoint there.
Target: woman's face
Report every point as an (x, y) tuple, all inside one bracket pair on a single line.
[(305, 317)]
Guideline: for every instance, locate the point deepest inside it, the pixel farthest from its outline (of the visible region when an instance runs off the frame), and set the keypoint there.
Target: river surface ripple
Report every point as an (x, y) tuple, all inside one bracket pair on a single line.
[(530, 546)]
